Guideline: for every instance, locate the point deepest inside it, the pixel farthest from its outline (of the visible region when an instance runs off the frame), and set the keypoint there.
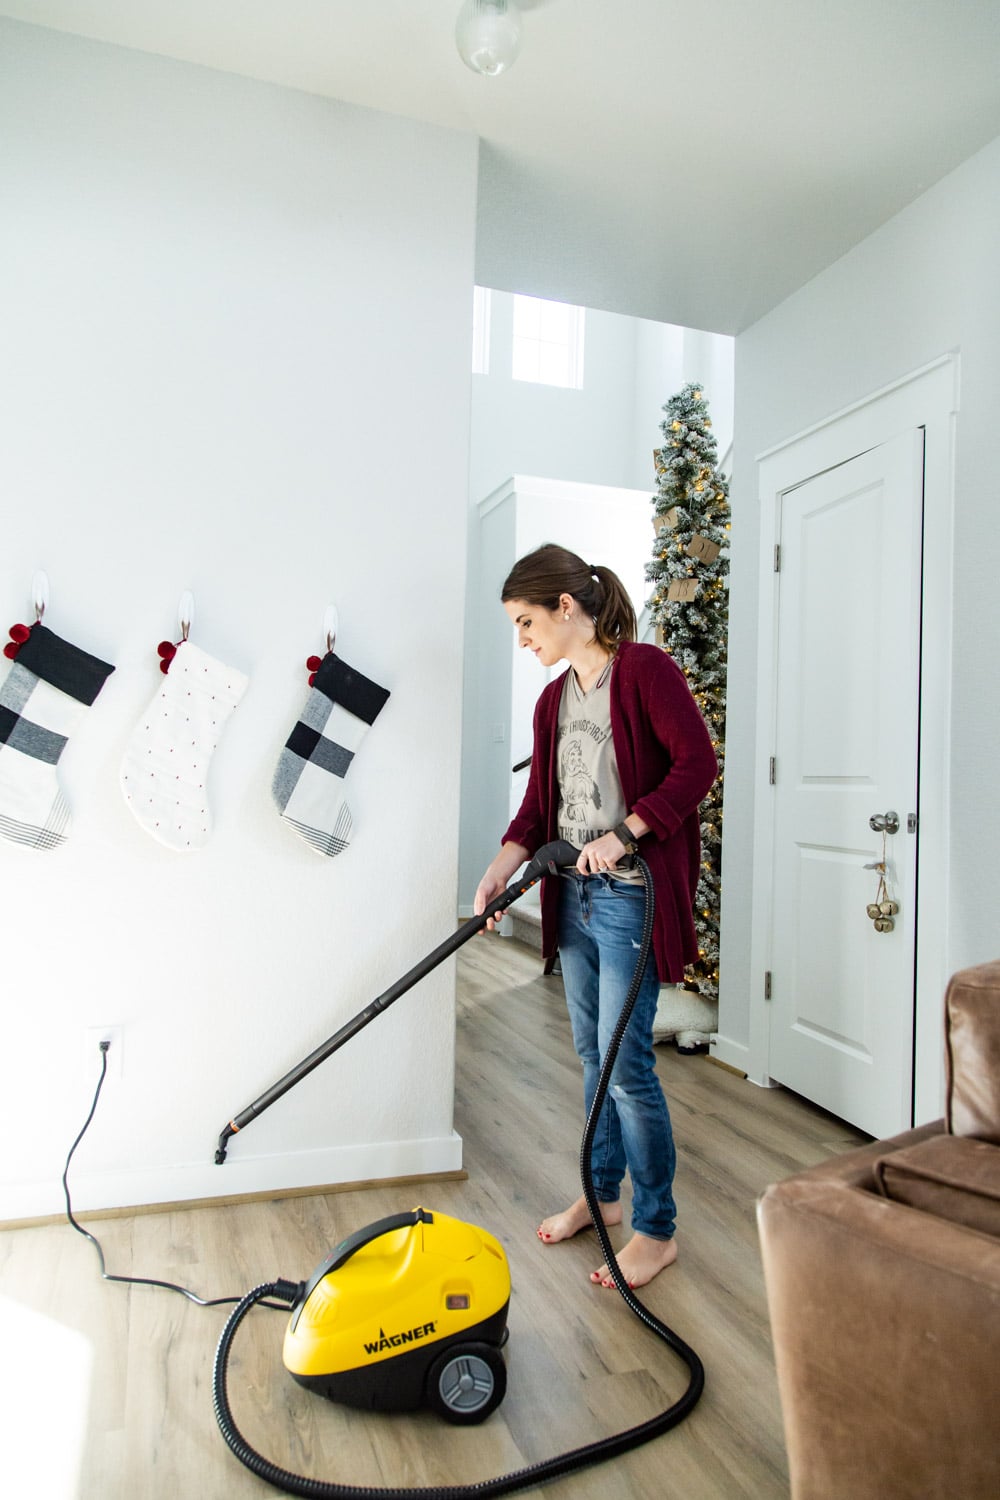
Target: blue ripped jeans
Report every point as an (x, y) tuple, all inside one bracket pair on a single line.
[(600, 929)]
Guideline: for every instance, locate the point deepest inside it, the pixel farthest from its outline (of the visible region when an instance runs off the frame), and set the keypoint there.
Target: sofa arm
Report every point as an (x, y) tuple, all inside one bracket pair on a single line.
[(856, 1168), (886, 1325), (972, 1052)]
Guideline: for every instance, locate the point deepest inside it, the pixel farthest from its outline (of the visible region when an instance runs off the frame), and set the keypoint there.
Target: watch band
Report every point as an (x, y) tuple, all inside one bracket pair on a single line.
[(623, 831)]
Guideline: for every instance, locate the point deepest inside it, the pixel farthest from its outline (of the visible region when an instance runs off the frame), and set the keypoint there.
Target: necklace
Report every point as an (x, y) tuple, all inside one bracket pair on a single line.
[(598, 682)]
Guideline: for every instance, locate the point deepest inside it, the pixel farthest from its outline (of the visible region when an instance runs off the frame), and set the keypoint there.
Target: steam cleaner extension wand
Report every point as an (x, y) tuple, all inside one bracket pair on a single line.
[(546, 862)]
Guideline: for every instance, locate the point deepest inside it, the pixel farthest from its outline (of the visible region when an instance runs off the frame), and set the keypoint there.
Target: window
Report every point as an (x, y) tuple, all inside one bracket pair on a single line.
[(480, 330), (548, 342)]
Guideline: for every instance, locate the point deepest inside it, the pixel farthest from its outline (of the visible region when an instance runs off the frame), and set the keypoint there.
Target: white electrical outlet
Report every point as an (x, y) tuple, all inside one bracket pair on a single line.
[(94, 1036)]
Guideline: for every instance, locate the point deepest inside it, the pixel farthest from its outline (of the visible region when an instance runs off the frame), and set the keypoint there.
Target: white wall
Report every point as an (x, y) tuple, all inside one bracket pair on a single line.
[(236, 326), (606, 432), (924, 284), (522, 427)]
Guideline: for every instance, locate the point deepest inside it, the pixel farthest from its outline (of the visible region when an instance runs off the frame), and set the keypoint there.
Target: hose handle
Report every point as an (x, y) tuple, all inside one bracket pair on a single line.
[(548, 860), (545, 861), (356, 1241)]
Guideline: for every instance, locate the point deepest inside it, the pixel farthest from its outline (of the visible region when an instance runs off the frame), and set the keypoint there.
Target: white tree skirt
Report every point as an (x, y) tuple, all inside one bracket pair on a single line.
[(684, 1015)]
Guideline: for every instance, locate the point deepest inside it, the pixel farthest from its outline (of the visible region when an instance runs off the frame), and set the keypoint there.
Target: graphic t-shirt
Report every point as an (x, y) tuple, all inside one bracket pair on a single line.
[(591, 801)]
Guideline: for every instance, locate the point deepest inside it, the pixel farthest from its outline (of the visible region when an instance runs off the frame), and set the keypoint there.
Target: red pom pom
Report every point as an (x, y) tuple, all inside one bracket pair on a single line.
[(312, 678), (167, 650), (19, 633), (164, 666), (313, 663), (11, 649)]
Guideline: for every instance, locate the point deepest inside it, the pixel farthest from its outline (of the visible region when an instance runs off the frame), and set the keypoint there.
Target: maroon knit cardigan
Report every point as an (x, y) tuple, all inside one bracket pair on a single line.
[(666, 764)]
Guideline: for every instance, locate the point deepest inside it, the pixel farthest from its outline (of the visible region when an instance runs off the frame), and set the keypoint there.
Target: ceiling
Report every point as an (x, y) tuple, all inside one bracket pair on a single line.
[(689, 163)]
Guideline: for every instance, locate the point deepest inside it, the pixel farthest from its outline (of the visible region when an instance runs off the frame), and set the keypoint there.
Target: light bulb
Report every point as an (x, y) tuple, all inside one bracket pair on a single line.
[(488, 35)]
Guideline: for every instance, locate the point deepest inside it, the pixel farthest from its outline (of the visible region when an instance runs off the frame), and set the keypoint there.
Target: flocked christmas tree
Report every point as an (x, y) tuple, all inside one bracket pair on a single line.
[(689, 606)]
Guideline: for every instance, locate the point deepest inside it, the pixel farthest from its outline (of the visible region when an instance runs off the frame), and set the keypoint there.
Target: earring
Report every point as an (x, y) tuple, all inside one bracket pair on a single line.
[(566, 615)]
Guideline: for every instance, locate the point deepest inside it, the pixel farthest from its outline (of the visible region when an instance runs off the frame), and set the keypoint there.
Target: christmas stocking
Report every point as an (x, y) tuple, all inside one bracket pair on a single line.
[(45, 693), (308, 784), (165, 771)]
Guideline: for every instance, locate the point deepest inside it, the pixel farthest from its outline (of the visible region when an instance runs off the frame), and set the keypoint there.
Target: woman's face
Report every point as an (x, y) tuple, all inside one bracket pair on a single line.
[(540, 630)]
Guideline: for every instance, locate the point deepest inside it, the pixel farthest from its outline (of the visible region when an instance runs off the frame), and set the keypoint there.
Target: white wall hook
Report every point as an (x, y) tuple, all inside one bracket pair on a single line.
[(40, 593), (185, 613), (330, 622)]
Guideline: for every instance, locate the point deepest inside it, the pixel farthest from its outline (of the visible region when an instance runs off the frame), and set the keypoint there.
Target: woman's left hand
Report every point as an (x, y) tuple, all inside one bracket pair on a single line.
[(601, 855)]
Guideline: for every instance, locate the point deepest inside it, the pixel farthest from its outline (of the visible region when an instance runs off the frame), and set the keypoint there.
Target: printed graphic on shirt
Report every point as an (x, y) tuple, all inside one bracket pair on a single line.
[(580, 792)]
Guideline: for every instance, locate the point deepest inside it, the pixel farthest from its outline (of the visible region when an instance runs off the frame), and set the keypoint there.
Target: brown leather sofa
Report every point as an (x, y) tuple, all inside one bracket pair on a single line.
[(882, 1269)]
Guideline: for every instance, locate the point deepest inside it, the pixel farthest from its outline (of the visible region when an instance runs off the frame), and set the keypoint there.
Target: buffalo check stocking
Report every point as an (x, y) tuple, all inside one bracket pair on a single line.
[(308, 784), (44, 696)]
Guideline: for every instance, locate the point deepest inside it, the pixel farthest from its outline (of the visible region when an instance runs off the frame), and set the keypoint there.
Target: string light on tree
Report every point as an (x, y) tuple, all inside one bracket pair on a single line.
[(689, 607)]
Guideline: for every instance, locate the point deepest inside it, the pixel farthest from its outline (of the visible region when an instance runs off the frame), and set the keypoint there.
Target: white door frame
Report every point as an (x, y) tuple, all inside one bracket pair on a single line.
[(928, 398)]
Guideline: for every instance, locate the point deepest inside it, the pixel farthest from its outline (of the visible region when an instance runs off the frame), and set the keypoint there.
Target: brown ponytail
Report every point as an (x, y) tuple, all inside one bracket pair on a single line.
[(543, 575)]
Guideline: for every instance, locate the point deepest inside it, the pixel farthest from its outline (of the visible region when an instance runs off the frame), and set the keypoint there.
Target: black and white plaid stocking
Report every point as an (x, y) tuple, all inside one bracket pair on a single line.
[(43, 697), (308, 784)]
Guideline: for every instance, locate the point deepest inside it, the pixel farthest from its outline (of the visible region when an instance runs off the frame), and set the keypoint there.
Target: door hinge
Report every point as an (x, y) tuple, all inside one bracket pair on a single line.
[(777, 557), (771, 771), (767, 985)]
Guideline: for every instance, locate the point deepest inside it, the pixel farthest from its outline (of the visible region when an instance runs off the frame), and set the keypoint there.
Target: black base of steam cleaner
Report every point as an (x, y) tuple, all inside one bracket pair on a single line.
[(412, 1310)]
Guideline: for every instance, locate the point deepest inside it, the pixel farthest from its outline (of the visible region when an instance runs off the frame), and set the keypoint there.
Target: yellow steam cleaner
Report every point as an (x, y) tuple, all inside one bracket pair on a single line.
[(411, 1311)]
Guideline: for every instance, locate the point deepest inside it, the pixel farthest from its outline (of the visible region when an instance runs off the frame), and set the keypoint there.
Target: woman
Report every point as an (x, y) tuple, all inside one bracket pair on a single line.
[(621, 761)]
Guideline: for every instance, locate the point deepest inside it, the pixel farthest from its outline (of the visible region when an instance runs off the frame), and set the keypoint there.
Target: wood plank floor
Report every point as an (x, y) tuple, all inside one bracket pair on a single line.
[(108, 1388)]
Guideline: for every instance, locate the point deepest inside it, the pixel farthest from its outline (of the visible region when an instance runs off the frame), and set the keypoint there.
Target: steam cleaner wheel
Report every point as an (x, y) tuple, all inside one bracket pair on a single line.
[(466, 1383)]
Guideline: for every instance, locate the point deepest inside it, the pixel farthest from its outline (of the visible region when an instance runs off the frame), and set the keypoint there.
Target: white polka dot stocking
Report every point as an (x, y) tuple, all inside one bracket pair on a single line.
[(164, 774)]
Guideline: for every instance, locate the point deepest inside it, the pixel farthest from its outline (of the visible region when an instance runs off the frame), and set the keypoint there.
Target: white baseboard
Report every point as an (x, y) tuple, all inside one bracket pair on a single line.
[(240, 1175), (733, 1054), (737, 1055)]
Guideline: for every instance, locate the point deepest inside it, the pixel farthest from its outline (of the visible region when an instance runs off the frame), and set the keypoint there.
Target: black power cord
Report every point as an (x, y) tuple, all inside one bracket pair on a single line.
[(168, 1286)]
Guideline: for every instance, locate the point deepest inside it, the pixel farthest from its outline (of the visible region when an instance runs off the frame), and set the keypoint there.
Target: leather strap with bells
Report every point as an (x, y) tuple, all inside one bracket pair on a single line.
[(881, 910)]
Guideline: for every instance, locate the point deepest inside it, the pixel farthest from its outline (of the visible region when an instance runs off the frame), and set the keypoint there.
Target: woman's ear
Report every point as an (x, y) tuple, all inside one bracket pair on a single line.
[(566, 605)]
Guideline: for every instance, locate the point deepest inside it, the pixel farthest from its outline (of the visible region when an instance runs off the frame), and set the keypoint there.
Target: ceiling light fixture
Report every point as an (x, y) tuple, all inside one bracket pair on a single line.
[(488, 34)]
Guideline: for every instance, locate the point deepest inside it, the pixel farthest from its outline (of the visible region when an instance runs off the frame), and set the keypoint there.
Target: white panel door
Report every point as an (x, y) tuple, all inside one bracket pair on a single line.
[(846, 748)]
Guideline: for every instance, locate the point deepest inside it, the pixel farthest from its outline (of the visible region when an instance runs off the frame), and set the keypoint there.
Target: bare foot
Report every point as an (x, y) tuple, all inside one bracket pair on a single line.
[(563, 1226), (641, 1260)]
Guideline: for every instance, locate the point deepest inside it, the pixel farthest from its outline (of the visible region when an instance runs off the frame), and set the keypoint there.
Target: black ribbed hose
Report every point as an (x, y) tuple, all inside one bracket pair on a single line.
[(533, 1474)]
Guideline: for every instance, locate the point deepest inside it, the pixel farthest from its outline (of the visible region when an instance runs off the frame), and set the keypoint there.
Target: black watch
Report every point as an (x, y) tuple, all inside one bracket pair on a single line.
[(623, 831)]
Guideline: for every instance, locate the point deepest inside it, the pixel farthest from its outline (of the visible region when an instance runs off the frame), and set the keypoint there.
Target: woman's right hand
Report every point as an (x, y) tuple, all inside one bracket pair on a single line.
[(488, 890), (496, 879)]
